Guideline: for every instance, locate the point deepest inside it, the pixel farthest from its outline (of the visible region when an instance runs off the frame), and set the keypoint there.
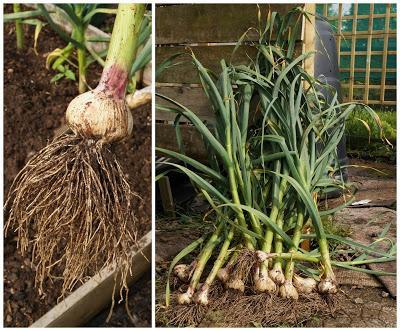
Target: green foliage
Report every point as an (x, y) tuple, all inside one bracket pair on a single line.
[(64, 72), (359, 124), (79, 16), (78, 53), (266, 171), (143, 56), (362, 136)]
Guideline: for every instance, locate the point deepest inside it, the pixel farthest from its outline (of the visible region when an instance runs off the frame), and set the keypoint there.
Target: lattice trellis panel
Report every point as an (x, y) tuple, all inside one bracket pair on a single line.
[(366, 41)]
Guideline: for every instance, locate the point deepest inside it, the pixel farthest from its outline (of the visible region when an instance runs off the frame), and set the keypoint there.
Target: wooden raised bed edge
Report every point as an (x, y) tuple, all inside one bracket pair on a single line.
[(94, 295)]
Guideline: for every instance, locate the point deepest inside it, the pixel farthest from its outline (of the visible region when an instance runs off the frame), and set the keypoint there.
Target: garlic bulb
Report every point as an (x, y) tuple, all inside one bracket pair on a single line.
[(288, 291), (327, 286), (223, 275), (186, 298), (304, 285), (236, 284), (277, 276), (262, 282), (182, 271), (201, 297), (100, 116)]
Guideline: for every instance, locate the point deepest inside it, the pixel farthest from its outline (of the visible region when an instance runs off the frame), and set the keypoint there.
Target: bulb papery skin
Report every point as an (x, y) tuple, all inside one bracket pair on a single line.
[(201, 296), (262, 282), (223, 275), (182, 271), (262, 256), (304, 285), (236, 284), (327, 286), (186, 298), (277, 276), (288, 291), (98, 116)]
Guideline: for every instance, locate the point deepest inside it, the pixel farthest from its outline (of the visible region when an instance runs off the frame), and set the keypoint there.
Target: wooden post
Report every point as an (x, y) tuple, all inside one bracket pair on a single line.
[(167, 199), (309, 37), (339, 30), (353, 51), (385, 53), (369, 48)]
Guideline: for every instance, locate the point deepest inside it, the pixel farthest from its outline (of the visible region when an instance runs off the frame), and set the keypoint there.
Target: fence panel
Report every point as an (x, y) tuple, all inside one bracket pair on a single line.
[(366, 40)]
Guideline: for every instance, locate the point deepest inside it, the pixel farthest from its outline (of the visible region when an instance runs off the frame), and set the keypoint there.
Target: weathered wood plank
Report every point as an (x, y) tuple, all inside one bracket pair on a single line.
[(191, 97), (209, 56), (192, 141), (309, 38), (199, 23), (93, 296)]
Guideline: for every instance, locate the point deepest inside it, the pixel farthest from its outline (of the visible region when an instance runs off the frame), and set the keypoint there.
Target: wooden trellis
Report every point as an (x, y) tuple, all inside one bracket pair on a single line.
[(354, 88)]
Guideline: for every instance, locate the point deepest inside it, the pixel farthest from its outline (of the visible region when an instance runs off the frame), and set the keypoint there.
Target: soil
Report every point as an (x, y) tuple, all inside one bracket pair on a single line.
[(139, 303), (33, 112), (366, 301)]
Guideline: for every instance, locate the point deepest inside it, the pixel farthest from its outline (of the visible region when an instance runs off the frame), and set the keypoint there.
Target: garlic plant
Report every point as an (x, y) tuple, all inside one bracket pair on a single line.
[(72, 202), (270, 155)]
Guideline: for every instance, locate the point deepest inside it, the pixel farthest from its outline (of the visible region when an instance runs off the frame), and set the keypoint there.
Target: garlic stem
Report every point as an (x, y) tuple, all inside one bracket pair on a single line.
[(122, 49)]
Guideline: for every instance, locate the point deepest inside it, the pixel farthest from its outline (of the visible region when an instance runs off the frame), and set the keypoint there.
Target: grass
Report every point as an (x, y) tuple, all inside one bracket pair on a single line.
[(332, 226), (360, 124), (363, 139)]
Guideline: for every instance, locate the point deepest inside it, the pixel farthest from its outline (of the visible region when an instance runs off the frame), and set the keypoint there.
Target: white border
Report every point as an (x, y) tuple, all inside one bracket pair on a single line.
[(153, 119)]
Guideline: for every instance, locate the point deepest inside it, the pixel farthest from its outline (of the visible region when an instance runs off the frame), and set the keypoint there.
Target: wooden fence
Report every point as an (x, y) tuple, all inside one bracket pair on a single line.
[(366, 41), (211, 32)]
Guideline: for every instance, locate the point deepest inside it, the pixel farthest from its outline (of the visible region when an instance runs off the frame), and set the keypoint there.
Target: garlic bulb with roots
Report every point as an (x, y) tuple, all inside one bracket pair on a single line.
[(201, 297), (262, 282), (186, 298), (75, 191), (288, 291), (276, 274), (304, 285), (327, 286), (182, 271)]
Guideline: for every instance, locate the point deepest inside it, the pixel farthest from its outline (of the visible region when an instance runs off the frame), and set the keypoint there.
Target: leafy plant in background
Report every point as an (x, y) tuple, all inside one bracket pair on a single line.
[(79, 16), (18, 28), (359, 124), (21, 18), (363, 135), (267, 168)]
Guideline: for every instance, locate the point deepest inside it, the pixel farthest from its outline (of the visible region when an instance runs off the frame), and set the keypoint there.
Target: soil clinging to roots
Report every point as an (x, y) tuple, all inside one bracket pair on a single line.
[(232, 308), (271, 310), (244, 266), (72, 203)]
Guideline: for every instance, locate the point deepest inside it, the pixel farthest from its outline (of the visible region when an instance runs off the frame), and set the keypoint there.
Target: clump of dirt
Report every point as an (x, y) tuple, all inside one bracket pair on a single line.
[(33, 111)]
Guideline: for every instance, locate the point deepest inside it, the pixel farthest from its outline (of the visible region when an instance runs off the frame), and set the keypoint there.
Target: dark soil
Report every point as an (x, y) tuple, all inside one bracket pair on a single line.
[(139, 303), (33, 111)]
